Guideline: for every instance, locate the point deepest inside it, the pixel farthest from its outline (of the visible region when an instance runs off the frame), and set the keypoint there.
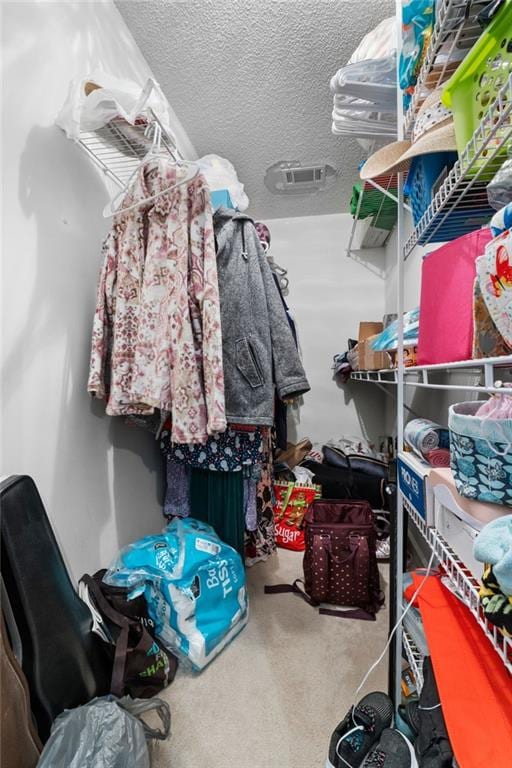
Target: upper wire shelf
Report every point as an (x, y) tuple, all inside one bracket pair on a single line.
[(456, 29), (464, 191), (465, 585), (118, 147)]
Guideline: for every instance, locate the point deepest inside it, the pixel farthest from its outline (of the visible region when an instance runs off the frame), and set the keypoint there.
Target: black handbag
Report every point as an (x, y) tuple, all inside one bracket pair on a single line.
[(347, 483), (368, 465)]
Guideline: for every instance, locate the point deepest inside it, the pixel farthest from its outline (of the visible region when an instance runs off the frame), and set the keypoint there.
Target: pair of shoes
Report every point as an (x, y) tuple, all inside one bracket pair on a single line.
[(365, 739)]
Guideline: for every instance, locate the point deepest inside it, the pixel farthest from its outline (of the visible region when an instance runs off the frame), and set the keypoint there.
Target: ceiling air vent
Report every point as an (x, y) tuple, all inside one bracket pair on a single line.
[(290, 177)]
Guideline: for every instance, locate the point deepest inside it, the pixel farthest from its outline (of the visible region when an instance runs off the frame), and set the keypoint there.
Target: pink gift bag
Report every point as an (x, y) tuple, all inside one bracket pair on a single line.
[(446, 304)]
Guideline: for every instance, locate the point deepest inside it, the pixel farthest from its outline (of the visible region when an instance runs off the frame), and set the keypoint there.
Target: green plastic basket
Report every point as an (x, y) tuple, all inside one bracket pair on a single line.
[(474, 86)]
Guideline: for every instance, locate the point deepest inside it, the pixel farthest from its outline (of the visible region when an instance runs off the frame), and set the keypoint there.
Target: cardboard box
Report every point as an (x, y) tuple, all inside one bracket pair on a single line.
[(369, 359), (367, 329), (413, 482)]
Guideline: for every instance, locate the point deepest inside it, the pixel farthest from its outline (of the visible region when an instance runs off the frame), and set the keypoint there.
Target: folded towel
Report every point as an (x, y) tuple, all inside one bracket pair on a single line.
[(494, 546)]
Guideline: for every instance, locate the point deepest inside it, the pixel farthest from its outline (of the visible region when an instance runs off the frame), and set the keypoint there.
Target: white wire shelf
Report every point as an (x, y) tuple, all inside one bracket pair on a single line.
[(415, 659), (489, 370), (463, 582), (118, 148), (377, 377), (377, 203), (461, 205), (455, 32)]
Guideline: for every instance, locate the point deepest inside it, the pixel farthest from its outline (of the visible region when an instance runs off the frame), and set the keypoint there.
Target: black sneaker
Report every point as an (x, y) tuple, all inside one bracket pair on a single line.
[(394, 750), (359, 731)]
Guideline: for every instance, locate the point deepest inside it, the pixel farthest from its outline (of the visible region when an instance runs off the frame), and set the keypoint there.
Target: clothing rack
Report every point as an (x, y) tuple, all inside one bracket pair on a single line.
[(118, 147)]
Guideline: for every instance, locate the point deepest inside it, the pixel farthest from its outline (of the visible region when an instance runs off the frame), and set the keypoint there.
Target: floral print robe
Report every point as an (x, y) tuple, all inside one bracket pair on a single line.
[(156, 340)]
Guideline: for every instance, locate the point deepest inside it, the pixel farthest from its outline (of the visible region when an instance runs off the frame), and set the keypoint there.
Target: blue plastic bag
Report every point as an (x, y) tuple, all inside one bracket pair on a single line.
[(194, 585), (388, 339)]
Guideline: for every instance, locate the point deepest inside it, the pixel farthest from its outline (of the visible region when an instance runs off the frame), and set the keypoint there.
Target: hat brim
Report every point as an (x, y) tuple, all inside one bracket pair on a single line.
[(397, 157)]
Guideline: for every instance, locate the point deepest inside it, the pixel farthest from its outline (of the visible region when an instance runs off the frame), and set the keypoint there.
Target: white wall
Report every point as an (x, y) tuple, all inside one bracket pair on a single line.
[(98, 477), (329, 295)]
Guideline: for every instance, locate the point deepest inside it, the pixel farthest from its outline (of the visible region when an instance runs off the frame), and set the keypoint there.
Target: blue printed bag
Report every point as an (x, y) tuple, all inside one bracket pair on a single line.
[(481, 454), (194, 585)]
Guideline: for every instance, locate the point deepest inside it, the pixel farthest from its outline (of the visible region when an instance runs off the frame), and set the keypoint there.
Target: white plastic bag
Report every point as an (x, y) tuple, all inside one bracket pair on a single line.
[(114, 98), (221, 174), (377, 44), (106, 732)]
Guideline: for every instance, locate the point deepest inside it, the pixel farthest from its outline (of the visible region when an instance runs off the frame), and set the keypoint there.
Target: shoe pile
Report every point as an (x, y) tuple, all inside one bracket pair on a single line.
[(365, 738)]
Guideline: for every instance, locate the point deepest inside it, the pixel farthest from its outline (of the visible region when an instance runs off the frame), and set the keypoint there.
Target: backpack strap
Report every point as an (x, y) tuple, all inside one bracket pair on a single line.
[(279, 589), (121, 647)]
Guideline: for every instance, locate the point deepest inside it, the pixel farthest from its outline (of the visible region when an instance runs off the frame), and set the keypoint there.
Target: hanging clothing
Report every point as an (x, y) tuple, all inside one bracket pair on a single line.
[(258, 347), (260, 544), (217, 498), (156, 339), (229, 451), (177, 493)]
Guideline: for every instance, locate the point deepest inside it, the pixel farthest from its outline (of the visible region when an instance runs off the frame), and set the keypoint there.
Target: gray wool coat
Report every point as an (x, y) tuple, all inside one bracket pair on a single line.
[(258, 348)]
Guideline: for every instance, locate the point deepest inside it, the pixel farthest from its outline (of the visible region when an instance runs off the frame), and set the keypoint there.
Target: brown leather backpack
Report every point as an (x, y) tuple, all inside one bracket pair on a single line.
[(340, 561)]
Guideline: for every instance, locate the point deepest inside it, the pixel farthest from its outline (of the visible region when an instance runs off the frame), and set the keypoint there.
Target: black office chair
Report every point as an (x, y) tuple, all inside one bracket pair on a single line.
[(64, 663)]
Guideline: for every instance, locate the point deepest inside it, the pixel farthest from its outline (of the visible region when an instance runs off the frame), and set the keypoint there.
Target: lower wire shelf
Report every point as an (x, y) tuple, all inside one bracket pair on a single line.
[(415, 659), (463, 584)]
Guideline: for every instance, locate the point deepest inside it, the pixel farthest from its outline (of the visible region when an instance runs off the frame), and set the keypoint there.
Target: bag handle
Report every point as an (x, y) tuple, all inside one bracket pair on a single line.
[(138, 707), (287, 496), (121, 646)]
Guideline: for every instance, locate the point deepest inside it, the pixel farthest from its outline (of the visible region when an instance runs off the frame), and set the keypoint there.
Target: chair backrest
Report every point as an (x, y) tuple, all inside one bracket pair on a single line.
[(63, 661)]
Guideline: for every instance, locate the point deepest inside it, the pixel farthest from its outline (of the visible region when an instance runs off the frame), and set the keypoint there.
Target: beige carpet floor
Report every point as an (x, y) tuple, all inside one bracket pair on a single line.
[(272, 698)]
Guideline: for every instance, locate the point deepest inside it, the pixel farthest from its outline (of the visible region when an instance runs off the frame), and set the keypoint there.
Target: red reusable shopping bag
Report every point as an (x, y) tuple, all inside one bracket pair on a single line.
[(292, 502)]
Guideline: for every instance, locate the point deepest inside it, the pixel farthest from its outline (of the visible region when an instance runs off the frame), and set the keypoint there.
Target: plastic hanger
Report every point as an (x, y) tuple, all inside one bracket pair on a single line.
[(154, 153), (280, 272)]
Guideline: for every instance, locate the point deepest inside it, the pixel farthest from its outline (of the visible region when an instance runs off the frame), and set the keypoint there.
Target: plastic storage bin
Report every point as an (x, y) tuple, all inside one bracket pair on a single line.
[(481, 454), (424, 173), (474, 86)]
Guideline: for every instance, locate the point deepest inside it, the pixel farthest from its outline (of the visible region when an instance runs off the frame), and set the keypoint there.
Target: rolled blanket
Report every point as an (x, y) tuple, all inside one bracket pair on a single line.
[(494, 546), (423, 436), (439, 457)]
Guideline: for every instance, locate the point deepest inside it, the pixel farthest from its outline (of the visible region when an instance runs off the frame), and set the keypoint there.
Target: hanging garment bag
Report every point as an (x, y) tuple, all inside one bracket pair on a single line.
[(340, 561), (63, 661)]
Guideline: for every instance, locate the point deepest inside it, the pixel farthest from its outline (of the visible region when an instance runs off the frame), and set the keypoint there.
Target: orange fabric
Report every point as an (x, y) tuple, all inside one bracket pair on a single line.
[(474, 686)]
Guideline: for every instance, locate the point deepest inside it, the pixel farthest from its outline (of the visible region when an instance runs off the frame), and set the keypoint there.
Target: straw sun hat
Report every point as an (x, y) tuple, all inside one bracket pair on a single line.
[(433, 132)]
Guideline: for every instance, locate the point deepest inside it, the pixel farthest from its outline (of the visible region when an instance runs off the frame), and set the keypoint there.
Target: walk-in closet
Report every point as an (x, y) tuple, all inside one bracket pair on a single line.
[(256, 466)]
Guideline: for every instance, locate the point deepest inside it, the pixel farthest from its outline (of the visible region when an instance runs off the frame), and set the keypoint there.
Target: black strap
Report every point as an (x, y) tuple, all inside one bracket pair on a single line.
[(279, 589), (350, 613), (118, 670)]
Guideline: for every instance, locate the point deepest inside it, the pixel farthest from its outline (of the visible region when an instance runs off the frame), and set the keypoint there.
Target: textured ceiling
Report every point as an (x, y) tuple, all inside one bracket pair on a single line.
[(249, 79)]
